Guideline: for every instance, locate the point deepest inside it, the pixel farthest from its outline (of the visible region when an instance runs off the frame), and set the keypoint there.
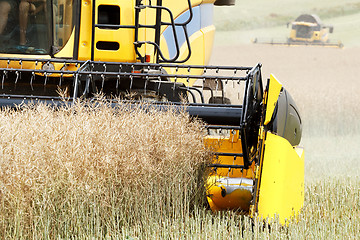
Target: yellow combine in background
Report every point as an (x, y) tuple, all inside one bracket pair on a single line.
[(158, 51), (307, 29)]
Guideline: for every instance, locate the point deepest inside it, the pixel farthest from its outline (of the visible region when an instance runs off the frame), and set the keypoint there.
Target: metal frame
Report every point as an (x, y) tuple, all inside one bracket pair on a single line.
[(159, 55), (77, 22)]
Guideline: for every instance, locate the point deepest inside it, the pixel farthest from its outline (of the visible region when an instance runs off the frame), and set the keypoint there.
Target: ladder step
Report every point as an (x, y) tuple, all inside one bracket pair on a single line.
[(223, 127), (229, 154), (226, 166)]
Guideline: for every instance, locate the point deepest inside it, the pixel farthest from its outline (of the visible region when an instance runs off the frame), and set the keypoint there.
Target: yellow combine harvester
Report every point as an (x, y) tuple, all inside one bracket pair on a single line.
[(307, 29), (158, 51)]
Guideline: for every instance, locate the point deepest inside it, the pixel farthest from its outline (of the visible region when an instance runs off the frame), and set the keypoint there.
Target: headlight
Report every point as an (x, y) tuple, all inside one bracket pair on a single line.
[(48, 67)]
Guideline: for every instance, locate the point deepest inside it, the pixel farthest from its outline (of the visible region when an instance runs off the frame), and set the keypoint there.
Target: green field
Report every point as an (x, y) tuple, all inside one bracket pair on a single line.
[(267, 19)]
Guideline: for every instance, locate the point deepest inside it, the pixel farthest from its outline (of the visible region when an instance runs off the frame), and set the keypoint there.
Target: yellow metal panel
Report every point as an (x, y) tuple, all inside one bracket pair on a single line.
[(25, 64), (281, 190), (85, 30), (197, 57), (208, 1), (197, 49), (125, 37), (308, 24), (292, 34), (212, 205), (68, 49), (164, 48), (239, 198), (274, 89)]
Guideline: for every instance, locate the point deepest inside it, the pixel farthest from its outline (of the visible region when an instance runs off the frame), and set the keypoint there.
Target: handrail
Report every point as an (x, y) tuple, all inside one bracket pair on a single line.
[(160, 56)]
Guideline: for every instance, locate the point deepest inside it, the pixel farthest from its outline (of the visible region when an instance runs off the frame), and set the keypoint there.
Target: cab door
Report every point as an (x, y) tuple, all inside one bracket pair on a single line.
[(107, 31)]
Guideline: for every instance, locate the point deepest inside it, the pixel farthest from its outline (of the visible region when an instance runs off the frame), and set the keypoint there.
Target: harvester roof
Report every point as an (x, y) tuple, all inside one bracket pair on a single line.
[(311, 18)]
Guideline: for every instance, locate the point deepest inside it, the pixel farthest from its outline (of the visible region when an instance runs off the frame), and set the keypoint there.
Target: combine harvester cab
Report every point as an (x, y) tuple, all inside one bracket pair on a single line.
[(158, 52)]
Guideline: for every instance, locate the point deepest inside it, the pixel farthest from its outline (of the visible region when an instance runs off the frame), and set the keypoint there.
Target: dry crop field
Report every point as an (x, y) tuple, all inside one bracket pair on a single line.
[(90, 172), (93, 172)]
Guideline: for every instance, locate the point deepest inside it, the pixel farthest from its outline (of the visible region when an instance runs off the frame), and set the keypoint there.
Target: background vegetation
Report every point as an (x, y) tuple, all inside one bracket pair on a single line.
[(248, 19)]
